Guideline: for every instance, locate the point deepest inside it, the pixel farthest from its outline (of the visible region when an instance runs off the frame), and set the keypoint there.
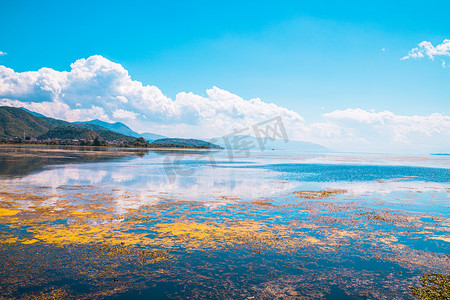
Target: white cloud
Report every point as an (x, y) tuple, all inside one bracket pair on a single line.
[(399, 125), (124, 114), (122, 99), (391, 132), (427, 49), (3, 53), (96, 88)]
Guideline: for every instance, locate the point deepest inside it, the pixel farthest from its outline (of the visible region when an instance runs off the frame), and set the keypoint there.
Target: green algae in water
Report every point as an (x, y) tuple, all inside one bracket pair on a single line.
[(434, 286)]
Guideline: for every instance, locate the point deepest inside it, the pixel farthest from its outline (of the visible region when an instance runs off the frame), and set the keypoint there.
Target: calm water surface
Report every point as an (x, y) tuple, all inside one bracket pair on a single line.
[(95, 223)]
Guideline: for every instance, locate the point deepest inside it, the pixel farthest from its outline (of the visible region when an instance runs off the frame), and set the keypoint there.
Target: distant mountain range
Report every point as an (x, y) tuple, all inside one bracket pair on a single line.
[(246, 142), (22, 123), (15, 122), (123, 129), (185, 143), (101, 125)]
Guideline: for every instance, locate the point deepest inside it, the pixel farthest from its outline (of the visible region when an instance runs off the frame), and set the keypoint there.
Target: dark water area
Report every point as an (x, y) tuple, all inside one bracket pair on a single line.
[(148, 224), (352, 173)]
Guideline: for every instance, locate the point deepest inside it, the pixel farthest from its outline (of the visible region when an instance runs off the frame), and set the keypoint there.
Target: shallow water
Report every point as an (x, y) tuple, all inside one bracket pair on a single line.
[(96, 223)]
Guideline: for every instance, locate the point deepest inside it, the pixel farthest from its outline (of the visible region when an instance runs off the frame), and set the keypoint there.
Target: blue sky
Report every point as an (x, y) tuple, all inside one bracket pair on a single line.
[(310, 57)]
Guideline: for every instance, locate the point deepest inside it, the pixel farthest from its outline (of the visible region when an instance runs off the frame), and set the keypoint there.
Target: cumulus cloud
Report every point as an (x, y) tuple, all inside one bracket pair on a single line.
[(124, 114), (386, 130), (97, 88), (427, 49), (3, 53), (427, 125)]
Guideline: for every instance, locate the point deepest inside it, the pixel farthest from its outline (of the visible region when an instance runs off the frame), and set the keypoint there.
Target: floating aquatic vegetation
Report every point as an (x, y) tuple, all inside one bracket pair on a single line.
[(74, 187), (318, 194), (24, 195), (146, 255), (194, 235), (391, 217), (263, 203), (8, 240), (434, 287), (48, 294), (5, 212)]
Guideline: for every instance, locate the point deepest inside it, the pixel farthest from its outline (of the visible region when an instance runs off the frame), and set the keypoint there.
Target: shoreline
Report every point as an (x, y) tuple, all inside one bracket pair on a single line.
[(111, 147)]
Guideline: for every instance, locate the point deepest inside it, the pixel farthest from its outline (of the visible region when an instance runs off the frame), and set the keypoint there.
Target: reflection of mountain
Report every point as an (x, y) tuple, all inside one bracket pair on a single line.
[(21, 161)]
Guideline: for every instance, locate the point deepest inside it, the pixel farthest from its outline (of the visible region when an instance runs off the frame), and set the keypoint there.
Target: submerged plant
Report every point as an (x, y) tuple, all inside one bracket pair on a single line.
[(434, 286), (318, 194)]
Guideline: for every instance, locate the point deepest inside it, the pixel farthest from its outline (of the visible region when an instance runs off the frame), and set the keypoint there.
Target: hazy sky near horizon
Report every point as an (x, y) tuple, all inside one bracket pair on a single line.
[(350, 75)]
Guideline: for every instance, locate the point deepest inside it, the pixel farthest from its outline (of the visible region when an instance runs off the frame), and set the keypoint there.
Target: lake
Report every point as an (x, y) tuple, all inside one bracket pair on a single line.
[(161, 224)]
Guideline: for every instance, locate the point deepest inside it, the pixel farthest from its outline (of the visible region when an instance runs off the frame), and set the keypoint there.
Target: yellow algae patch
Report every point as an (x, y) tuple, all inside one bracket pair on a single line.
[(42, 207), (195, 235), (8, 241), (190, 235), (5, 212), (313, 241), (197, 230), (28, 242), (80, 213), (85, 234)]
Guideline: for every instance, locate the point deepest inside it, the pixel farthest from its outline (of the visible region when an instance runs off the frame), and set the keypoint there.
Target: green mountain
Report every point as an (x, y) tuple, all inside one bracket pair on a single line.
[(57, 122), (116, 127), (152, 136), (69, 133), (183, 143), (100, 125), (33, 113), (109, 135), (14, 122), (76, 133), (121, 128)]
